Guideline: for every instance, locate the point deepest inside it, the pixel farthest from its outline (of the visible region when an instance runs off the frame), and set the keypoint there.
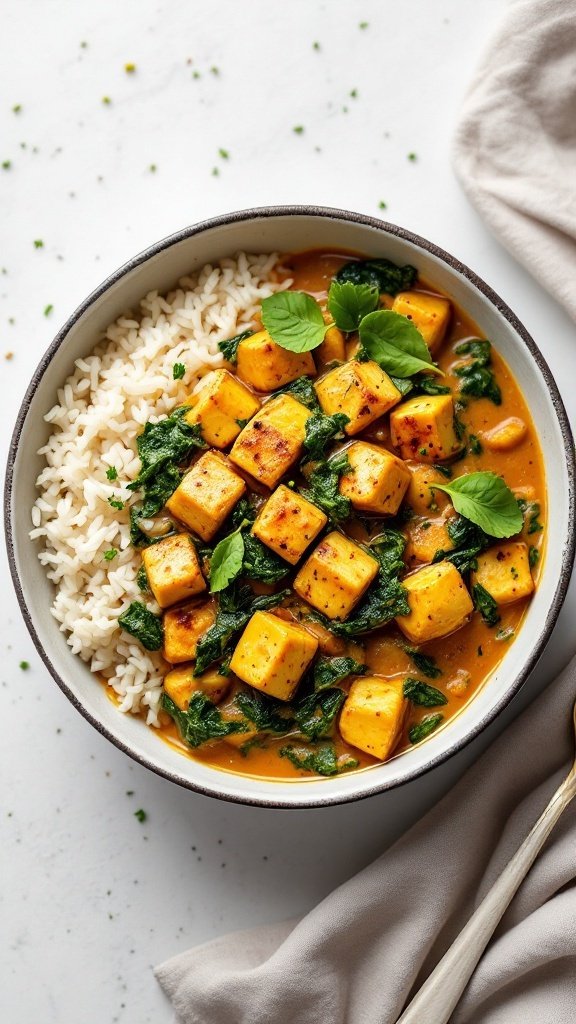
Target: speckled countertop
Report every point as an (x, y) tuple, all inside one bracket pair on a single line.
[(206, 123)]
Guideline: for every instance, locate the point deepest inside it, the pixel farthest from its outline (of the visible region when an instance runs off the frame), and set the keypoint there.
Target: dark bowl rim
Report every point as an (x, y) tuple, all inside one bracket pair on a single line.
[(263, 213)]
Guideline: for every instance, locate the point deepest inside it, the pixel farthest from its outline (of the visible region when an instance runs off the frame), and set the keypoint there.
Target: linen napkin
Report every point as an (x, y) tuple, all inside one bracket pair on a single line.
[(515, 147), (356, 957)]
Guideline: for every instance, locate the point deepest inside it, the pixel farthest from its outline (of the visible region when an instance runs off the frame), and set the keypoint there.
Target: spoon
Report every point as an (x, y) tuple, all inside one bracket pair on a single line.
[(438, 996)]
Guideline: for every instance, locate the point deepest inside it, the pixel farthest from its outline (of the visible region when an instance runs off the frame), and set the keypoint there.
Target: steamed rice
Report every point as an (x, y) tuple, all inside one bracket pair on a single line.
[(101, 410)]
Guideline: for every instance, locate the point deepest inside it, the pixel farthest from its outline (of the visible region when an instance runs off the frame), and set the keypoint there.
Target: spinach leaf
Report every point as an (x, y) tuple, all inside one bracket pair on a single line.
[(267, 714), (485, 604), (422, 694), (329, 671), (468, 540), (142, 579), (260, 563), (294, 320), (348, 303), (137, 536), (533, 556), (243, 512), (323, 488), (378, 273), (425, 663), (162, 447), (202, 721), (320, 430), (425, 727), (236, 608), (531, 511), (226, 561), (475, 445), (141, 623), (487, 501), (315, 715), (428, 386), (477, 378), (393, 342), (403, 384), (302, 389), (324, 761), (229, 348)]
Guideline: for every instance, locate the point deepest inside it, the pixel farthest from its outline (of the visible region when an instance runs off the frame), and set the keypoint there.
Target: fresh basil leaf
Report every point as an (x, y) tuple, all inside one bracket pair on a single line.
[(324, 761), (487, 501), (226, 561), (422, 694), (329, 671), (202, 721), (294, 321), (348, 303), (379, 273), (229, 348), (320, 430), (425, 663), (485, 604), (141, 623), (393, 342), (425, 727)]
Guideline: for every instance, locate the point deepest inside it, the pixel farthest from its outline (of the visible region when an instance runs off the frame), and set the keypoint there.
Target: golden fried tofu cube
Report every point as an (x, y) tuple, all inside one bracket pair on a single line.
[(272, 442), (266, 366), (220, 406), (378, 480), (360, 390), (181, 683), (419, 497), (173, 569), (336, 576), (272, 655), (504, 571), (439, 603), (425, 538), (207, 494), (183, 628), (373, 715), (332, 349), (423, 429), (429, 313), (288, 523)]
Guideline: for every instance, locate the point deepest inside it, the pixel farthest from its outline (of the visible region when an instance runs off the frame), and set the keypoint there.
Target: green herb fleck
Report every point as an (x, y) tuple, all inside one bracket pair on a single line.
[(315, 45), (363, 25), (229, 348), (116, 504), (214, 70), (6, 165), (140, 815), (110, 554), (425, 663), (298, 129), (38, 243), (412, 157), (224, 154), (423, 729), (382, 205), (142, 579), (24, 665), (106, 101), (112, 473), (153, 168), (48, 309), (475, 445), (178, 371), (505, 634), (129, 68), (533, 556), (16, 109), (422, 694), (330, 671)]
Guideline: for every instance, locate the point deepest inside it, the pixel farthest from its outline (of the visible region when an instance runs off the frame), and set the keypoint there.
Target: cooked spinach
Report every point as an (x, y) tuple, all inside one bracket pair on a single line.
[(302, 389), (267, 714), (315, 715), (162, 448), (229, 348), (142, 579), (531, 512), (141, 623), (475, 445), (323, 489), (324, 761), (260, 563), (485, 604), (378, 273), (477, 379), (236, 606), (320, 431), (468, 539), (533, 556), (425, 663), (202, 721), (329, 671), (422, 694), (244, 511), (425, 727)]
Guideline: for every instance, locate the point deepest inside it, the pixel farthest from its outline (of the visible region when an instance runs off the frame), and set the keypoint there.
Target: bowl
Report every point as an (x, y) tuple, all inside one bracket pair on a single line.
[(288, 229)]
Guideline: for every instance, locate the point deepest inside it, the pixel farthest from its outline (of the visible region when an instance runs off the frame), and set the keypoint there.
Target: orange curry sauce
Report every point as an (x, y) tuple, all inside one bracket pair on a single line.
[(468, 656)]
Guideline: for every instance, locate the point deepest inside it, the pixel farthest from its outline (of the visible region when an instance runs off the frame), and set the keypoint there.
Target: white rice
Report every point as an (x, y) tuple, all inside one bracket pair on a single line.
[(101, 410)]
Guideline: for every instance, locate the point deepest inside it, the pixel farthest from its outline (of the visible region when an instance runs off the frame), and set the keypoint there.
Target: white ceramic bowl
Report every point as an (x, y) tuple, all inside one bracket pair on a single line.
[(288, 229)]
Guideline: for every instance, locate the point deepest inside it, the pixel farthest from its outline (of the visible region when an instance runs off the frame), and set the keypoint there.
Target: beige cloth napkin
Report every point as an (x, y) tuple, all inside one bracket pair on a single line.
[(355, 958), (515, 148)]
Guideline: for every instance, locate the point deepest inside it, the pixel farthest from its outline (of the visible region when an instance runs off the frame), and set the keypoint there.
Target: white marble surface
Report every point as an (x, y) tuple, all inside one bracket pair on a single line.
[(92, 898)]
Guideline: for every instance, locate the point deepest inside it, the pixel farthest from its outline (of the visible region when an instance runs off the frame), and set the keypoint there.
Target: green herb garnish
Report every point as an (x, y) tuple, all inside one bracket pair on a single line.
[(110, 554), (141, 623), (485, 500), (119, 505), (229, 348), (425, 663), (112, 473), (425, 727), (24, 665), (422, 694), (533, 556), (48, 309), (294, 321), (38, 243), (485, 604), (393, 342), (178, 371), (531, 512), (329, 671), (141, 815), (348, 303)]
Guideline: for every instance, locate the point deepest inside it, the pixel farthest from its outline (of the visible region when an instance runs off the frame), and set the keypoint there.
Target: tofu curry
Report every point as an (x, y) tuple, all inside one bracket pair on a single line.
[(351, 526)]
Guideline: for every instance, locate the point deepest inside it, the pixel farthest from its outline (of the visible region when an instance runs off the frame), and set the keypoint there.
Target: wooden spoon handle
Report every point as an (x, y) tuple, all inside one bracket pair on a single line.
[(436, 999)]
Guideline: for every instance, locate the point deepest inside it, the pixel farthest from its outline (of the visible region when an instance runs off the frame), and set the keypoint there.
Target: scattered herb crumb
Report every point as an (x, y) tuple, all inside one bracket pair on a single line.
[(17, 108), (214, 70), (382, 205), (112, 473), (215, 172), (116, 504), (84, 44), (224, 154), (24, 665), (110, 554), (129, 68), (153, 168), (363, 25), (412, 157), (38, 243), (6, 165), (178, 371), (298, 129), (106, 101), (48, 309), (141, 815), (354, 93), (196, 74), (315, 45)]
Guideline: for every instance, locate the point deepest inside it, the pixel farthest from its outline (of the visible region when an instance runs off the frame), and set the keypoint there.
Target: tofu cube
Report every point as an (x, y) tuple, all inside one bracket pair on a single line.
[(439, 603), (360, 390), (266, 366), (272, 655), (425, 538), (378, 481), (504, 571), (419, 496), (505, 435), (332, 349), (183, 628), (423, 429), (181, 683), (288, 523), (218, 405), (336, 576), (207, 494), (272, 442), (173, 570), (373, 715), (429, 313)]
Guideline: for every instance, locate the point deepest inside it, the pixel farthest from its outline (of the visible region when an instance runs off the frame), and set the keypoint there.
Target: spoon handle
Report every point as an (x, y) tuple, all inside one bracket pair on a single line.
[(436, 999)]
